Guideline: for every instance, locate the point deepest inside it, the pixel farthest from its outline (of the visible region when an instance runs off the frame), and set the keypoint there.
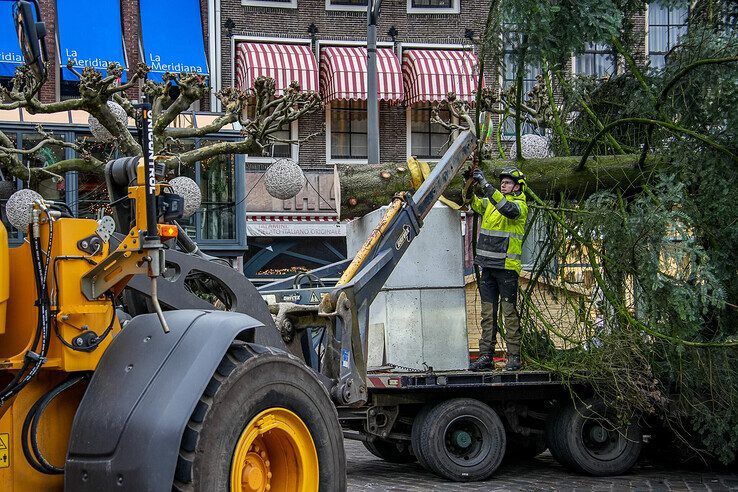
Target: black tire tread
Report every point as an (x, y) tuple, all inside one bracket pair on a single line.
[(238, 354), (428, 433)]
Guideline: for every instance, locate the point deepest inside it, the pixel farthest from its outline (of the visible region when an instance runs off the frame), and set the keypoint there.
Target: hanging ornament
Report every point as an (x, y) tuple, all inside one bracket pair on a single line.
[(533, 147), (100, 132), (284, 179)]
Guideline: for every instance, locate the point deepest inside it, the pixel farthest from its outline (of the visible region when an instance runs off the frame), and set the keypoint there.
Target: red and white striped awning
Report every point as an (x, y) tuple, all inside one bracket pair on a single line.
[(343, 74), (430, 75), (284, 63)]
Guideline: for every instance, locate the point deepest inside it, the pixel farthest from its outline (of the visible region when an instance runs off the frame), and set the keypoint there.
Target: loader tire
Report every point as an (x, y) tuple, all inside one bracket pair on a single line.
[(264, 422), (390, 451), (584, 439)]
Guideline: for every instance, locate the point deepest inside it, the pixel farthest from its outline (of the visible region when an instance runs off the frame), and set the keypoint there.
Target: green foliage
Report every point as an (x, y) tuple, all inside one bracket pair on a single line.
[(656, 334), (555, 29)]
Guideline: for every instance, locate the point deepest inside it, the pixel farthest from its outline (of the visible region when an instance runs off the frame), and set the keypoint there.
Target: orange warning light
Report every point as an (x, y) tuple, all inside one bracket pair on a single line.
[(168, 231)]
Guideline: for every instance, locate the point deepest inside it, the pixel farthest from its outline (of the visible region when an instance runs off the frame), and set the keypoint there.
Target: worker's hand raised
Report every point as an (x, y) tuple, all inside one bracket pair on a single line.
[(478, 176)]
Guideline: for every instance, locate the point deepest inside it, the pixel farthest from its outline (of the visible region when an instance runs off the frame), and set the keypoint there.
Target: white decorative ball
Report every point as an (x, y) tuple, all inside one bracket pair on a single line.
[(100, 132), (18, 208), (284, 179), (187, 189), (533, 147)]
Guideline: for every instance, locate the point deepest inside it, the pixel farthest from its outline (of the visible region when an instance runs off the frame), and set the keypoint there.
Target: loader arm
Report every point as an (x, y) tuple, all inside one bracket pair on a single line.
[(346, 306)]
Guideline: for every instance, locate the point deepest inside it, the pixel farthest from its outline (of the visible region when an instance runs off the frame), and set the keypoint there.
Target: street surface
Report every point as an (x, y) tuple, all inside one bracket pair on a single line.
[(366, 472)]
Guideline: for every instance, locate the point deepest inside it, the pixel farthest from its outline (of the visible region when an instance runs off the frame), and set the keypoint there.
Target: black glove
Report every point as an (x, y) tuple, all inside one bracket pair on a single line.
[(478, 176)]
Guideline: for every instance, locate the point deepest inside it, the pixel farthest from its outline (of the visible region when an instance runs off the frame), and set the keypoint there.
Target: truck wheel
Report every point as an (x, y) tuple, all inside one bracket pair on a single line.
[(415, 435), (390, 451), (583, 438), (264, 422), (462, 440)]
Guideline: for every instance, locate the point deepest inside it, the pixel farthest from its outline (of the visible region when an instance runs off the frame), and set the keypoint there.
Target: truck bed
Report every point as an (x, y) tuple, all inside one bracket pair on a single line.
[(398, 380)]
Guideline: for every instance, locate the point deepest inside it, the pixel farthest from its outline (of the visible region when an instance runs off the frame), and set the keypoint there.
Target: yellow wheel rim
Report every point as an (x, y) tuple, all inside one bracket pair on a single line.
[(275, 453)]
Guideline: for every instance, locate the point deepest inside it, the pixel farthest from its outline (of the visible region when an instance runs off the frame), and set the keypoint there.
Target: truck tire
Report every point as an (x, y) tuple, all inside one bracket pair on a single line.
[(462, 440), (415, 435), (390, 451), (264, 422), (582, 438)]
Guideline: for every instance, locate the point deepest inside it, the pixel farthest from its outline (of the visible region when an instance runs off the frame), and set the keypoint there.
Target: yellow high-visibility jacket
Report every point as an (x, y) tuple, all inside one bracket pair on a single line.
[(500, 243)]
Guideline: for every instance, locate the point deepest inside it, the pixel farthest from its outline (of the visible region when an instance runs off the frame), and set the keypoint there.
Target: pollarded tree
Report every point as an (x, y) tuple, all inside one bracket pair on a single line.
[(267, 113)]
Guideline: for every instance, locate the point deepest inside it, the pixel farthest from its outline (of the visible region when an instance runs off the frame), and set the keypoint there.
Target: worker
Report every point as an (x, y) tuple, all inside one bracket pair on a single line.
[(499, 251)]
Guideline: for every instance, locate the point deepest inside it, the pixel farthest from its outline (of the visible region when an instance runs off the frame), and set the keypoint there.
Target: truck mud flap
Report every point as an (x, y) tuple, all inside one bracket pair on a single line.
[(127, 431)]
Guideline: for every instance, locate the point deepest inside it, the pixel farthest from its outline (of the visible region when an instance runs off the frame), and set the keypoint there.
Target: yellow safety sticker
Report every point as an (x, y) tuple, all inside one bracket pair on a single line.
[(4, 450)]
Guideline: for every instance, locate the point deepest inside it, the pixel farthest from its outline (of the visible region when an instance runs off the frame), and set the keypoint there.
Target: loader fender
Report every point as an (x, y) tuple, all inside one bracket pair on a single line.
[(128, 428)]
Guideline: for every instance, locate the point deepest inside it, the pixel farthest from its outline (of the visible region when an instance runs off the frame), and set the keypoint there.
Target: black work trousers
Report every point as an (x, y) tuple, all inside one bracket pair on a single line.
[(499, 288)]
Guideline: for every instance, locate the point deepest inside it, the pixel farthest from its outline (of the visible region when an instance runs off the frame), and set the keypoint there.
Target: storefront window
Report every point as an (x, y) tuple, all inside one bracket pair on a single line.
[(49, 186), (348, 129), (217, 184), (428, 140), (92, 191)]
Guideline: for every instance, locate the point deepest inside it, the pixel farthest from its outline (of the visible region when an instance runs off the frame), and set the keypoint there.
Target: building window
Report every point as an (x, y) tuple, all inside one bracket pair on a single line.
[(348, 130), (428, 140), (346, 5), (68, 89), (281, 4), (597, 60), (281, 147), (512, 41), (433, 6), (666, 25)]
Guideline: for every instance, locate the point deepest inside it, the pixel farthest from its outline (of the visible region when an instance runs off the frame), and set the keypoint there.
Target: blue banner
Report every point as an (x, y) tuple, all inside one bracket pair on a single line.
[(10, 52), (172, 37), (90, 35)]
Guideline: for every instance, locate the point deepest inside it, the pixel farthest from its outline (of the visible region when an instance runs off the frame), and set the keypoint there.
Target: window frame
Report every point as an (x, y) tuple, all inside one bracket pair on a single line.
[(329, 6), (409, 139), (596, 52), (668, 27), (455, 8), (508, 136), (329, 137), (291, 4)]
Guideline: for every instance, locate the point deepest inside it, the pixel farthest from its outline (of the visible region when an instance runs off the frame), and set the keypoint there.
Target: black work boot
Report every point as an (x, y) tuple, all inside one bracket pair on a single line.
[(513, 363), (483, 363)]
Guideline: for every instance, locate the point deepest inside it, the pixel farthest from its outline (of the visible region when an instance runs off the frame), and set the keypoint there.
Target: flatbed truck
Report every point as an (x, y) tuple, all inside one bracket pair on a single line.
[(460, 425)]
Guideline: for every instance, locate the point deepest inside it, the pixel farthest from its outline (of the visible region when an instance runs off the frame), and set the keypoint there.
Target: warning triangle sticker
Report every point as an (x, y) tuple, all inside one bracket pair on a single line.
[(3, 445), (314, 297)]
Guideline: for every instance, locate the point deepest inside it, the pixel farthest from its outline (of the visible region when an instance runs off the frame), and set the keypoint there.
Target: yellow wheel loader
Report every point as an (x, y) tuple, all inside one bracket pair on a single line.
[(188, 399)]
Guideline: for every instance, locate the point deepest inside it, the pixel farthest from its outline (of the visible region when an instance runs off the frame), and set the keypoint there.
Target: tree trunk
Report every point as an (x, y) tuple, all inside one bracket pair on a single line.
[(361, 189)]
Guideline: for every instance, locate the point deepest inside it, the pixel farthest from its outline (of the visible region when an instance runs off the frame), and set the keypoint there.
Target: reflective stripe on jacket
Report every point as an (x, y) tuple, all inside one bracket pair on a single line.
[(500, 243)]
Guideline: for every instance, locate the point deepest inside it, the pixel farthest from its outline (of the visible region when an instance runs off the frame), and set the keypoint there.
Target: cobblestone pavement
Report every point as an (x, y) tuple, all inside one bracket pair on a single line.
[(366, 472)]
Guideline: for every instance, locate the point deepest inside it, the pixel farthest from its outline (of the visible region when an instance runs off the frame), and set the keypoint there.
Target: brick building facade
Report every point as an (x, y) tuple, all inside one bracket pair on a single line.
[(322, 23)]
